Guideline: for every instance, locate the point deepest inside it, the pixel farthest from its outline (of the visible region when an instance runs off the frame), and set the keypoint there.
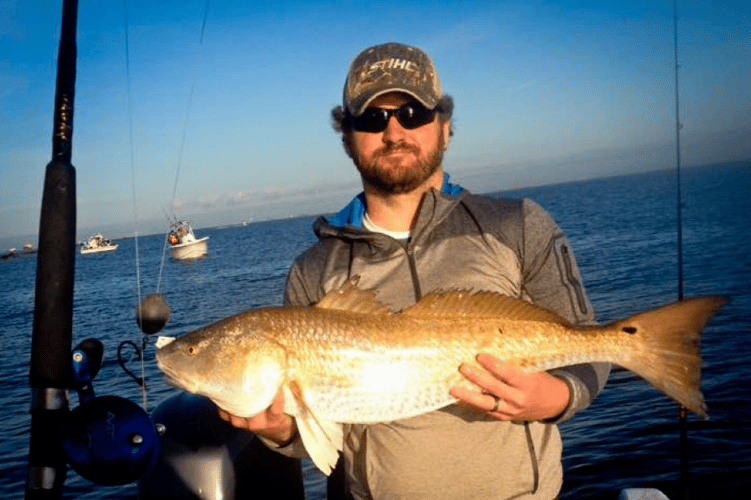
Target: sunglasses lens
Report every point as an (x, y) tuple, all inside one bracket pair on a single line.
[(410, 116), (414, 115), (372, 120)]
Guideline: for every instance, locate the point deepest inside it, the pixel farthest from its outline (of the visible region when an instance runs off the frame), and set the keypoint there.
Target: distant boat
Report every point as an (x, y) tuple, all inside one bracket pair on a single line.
[(183, 243), (28, 249), (97, 243)]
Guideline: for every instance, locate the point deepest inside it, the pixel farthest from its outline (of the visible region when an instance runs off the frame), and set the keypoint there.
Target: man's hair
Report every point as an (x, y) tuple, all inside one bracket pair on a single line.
[(341, 120)]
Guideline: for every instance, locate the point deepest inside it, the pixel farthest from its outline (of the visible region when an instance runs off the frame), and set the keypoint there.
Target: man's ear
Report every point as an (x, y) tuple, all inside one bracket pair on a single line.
[(446, 131)]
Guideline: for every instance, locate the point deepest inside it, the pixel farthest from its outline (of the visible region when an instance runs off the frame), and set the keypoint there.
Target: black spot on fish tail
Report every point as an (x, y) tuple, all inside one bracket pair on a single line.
[(629, 329)]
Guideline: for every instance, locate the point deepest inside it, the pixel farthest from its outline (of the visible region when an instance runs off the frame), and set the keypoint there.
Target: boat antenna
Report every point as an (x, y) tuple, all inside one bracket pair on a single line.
[(683, 424), (50, 370)]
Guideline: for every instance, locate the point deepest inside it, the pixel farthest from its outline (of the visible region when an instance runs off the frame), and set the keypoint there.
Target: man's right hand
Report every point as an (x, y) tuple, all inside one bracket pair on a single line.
[(271, 424)]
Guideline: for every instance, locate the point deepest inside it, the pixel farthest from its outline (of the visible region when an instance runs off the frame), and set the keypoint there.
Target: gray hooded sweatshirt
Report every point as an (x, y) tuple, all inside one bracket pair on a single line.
[(460, 241)]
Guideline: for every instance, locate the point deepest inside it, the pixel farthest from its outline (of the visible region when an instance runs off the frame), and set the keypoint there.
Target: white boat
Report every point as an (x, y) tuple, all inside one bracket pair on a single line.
[(183, 243), (97, 243), (28, 249)]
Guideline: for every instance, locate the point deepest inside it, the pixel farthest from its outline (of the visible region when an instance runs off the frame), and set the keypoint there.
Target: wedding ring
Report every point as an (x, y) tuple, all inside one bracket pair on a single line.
[(495, 406)]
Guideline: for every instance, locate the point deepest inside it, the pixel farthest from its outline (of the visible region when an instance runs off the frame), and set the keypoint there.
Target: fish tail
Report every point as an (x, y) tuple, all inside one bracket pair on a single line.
[(669, 348)]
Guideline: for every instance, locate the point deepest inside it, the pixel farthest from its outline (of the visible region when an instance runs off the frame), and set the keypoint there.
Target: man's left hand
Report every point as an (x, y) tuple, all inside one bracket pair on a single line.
[(509, 393)]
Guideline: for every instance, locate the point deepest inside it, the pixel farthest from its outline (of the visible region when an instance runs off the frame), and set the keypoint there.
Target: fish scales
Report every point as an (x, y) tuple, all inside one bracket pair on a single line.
[(348, 369), (406, 366), (350, 360)]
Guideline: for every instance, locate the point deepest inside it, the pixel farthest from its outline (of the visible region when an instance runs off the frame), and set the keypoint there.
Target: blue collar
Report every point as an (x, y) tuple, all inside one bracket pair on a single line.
[(351, 215)]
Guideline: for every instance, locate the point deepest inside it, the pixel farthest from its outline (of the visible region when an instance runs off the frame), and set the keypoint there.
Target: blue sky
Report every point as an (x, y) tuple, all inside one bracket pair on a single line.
[(545, 92)]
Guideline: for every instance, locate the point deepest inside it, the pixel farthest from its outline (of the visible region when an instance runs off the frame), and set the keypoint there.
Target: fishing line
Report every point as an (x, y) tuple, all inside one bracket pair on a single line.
[(678, 128), (145, 313), (186, 121), (683, 414), (126, 24)]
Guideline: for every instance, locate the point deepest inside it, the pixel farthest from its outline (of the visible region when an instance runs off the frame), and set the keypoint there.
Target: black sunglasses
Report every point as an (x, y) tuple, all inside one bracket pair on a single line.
[(410, 116)]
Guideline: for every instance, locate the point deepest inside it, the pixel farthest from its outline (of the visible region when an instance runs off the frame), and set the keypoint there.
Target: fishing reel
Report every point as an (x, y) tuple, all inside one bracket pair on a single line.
[(109, 439)]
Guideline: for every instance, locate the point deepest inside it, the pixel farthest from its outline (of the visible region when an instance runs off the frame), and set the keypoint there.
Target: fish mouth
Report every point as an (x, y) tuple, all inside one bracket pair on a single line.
[(174, 379), (170, 380)]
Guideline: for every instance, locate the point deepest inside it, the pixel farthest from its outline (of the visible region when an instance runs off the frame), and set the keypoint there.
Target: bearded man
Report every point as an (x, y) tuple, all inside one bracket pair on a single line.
[(412, 231)]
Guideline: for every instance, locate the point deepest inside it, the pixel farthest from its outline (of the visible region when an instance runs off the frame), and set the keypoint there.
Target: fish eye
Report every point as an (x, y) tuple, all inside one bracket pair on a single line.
[(192, 350)]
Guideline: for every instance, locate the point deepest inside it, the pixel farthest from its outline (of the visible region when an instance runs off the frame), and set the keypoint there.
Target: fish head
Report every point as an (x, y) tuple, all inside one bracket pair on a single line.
[(238, 370)]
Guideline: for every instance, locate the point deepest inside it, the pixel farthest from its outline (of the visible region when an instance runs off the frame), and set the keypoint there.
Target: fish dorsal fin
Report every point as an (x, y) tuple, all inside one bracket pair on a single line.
[(350, 297), (482, 304)]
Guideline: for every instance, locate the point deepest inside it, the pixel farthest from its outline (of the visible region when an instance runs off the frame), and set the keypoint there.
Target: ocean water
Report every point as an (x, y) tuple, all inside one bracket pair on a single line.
[(623, 231)]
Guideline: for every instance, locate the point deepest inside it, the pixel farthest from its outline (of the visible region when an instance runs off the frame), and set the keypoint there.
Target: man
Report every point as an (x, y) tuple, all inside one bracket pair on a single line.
[(410, 232)]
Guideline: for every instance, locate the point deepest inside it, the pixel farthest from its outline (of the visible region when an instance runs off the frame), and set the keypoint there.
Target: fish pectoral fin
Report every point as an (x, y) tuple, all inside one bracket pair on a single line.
[(323, 440)]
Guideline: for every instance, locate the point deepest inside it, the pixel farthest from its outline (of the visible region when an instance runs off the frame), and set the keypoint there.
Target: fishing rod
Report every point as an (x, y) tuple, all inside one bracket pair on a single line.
[(108, 440), (683, 423), (50, 370)]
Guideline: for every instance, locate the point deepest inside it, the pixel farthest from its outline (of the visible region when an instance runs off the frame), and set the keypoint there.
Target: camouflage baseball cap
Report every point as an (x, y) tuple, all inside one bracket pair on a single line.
[(390, 67)]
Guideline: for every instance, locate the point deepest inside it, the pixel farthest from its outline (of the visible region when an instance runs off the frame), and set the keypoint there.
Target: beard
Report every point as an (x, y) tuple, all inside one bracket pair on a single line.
[(394, 176)]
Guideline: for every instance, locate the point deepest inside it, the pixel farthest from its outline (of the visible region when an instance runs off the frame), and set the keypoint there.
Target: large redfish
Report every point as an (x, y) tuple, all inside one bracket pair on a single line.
[(348, 359)]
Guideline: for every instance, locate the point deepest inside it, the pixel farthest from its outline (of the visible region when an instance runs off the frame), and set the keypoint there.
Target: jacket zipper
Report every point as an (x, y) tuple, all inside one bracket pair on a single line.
[(572, 279), (413, 270)]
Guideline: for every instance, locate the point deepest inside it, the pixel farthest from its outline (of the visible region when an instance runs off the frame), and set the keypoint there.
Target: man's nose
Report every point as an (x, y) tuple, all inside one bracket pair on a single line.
[(393, 131)]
